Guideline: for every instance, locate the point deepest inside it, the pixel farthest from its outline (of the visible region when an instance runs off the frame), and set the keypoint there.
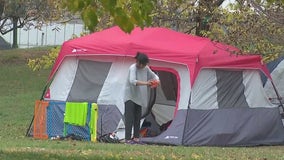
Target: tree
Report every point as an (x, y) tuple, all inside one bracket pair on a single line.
[(270, 8), (251, 30), (127, 14), (255, 27), (185, 16), (16, 14), (124, 13)]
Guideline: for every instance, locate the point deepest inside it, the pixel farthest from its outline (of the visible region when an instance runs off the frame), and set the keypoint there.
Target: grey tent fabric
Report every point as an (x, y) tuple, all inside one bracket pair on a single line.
[(230, 89), (167, 78), (108, 119), (173, 135), (92, 74), (151, 124), (233, 127)]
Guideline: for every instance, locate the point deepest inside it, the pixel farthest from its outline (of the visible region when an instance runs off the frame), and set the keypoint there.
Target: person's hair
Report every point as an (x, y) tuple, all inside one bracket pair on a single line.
[(142, 58)]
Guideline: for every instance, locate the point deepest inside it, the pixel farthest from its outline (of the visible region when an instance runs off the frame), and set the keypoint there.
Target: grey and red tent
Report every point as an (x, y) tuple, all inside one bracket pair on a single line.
[(276, 69), (210, 95)]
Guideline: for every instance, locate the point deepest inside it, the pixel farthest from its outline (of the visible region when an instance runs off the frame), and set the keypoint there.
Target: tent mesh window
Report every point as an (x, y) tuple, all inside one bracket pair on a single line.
[(89, 80)]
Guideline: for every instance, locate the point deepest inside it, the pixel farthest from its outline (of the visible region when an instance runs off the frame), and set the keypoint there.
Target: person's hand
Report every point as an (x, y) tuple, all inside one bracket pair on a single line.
[(154, 83), (149, 83)]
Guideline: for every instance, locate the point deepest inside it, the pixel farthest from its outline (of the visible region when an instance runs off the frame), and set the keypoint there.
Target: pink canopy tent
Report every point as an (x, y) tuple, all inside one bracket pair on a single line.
[(209, 95), (161, 44)]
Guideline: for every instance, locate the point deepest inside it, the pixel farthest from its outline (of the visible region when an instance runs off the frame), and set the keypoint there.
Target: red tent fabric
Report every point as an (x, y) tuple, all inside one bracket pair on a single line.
[(160, 44)]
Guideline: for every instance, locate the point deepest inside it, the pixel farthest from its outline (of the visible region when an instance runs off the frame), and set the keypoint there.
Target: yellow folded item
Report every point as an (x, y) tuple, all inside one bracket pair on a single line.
[(93, 122)]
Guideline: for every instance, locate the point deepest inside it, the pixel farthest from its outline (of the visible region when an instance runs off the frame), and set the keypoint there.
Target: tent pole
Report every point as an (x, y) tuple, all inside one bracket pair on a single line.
[(184, 127), (41, 98), (278, 97), (28, 130)]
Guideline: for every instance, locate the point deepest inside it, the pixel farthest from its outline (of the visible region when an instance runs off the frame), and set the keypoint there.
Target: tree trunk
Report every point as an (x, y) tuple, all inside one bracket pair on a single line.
[(2, 5), (15, 32), (200, 18)]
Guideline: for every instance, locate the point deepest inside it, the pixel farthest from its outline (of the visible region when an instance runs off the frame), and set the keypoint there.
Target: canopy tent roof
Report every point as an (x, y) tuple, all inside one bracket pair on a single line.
[(160, 44)]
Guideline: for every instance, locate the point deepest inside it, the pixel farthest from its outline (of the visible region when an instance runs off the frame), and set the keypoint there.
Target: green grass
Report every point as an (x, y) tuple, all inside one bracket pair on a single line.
[(20, 87)]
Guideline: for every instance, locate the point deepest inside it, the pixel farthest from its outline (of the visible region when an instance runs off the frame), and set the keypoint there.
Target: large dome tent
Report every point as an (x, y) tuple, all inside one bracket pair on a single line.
[(210, 96)]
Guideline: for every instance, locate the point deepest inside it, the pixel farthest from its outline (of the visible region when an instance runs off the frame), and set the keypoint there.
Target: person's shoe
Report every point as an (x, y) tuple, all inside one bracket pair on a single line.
[(130, 142), (138, 142)]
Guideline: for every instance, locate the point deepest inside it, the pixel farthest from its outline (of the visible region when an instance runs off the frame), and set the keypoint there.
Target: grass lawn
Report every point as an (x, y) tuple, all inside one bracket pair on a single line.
[(20, 87)]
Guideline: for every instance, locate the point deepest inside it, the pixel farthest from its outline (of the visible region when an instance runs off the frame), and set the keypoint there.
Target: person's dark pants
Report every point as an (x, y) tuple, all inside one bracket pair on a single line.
[(132, 115)]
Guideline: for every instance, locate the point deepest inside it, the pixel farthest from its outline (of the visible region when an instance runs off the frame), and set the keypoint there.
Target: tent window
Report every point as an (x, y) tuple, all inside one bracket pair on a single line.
[(230, 89), (89, 80), (169, 85)]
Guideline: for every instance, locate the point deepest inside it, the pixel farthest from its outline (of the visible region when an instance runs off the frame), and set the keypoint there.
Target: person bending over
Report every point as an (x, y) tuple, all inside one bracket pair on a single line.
[(139, 78)]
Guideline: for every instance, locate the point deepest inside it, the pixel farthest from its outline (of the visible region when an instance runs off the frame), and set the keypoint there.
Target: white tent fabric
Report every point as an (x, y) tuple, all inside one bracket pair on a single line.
[(204, 91), (62, 82), (113, 88), (256, 96), (278, 78), (163, 113)]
